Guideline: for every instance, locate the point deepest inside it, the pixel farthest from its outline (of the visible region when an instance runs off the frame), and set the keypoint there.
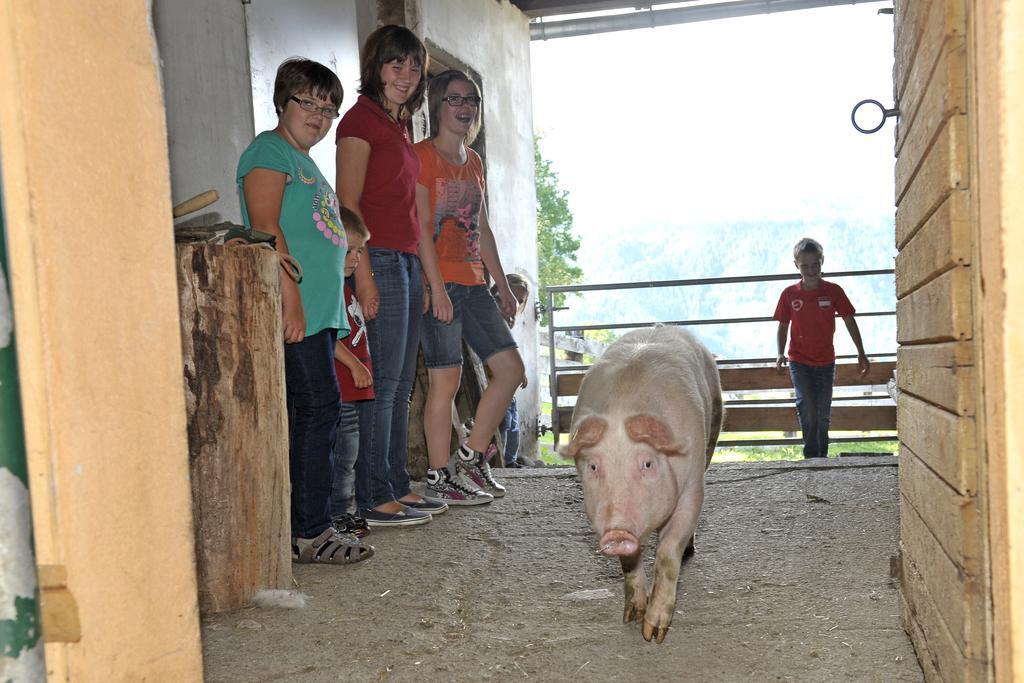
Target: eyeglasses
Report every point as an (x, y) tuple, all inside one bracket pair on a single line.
[(313, 108), (458, 100)]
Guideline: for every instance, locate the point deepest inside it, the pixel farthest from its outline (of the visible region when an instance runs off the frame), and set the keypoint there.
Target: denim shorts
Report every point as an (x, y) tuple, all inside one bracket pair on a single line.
[(476, 319)]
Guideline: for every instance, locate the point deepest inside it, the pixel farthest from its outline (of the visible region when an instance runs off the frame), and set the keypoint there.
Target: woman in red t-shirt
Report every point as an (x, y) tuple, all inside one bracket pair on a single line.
[(377, 171)]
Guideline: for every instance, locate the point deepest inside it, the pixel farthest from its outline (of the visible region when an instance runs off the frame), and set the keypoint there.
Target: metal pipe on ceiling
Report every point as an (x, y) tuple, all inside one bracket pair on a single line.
[(652, 18)]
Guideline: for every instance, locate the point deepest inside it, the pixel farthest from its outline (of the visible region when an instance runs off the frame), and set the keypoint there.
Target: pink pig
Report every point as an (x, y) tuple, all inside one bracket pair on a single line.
[(644, 429)]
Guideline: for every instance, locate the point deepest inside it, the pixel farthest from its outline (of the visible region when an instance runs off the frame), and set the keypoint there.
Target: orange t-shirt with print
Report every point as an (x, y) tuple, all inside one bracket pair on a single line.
[(456, 196)]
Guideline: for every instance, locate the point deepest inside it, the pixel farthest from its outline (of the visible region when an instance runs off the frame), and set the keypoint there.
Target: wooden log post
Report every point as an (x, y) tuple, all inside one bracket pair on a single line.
[(237, 421)]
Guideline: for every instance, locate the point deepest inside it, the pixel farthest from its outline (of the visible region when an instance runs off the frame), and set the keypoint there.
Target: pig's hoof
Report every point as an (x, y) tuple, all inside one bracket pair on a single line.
[(633, 612), (650, 631)]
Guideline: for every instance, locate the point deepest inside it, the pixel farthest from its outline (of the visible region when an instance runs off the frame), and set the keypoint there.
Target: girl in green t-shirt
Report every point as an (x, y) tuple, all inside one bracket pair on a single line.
[(283, 193)]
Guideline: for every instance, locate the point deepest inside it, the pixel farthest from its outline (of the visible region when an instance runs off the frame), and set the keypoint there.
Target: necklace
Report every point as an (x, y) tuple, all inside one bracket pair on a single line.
[(459, 161)]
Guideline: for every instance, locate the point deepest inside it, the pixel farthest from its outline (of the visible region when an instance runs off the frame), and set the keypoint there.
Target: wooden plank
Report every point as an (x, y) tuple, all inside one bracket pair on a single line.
[(943, 170), (942, 243), (237, 422), (943, 374), (939, 311), (945, 96), (569, 383), (739, 379), (937, 80), (945, 442), (847, 374), (937, 652), (575, 344), (952, 517), (957, 596), (909, 19), (783, 418), (58, 609)]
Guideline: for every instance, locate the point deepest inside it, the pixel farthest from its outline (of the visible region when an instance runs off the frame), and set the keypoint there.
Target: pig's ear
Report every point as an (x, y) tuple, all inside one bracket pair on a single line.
[(653, 431), (587, 433)]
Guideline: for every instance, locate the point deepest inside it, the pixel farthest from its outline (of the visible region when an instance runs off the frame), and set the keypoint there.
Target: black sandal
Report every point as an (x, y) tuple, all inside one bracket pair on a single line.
[(351, 524)]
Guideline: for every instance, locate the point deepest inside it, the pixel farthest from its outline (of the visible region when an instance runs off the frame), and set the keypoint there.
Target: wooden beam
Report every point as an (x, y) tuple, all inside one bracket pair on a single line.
[(942, 374), (937, 312), (783, 419), (847, 375), (738, 379), (574, 344), (937, 77), (942, 170), (952, 517), (940, 245), (908, 22), (940, 658), (945, 442), (941, 100), (958, 597)]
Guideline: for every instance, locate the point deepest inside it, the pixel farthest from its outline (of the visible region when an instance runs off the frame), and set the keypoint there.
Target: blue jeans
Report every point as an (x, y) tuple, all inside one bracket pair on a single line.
[(813, 386), (313, 401), (510, 428), (476, 318), (346, 450), (394, 338), (364, 497)]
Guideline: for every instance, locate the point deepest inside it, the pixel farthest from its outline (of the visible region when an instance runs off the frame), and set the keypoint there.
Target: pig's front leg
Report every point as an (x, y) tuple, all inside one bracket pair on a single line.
[(672, 540), (635, 584)]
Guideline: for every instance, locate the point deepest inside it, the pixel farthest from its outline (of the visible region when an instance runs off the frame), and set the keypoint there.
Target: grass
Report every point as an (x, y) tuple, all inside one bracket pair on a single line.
[(546, 449), (766, 453)]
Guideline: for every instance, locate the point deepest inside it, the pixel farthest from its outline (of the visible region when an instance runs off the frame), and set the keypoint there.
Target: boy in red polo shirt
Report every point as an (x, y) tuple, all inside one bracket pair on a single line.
[(811, 306), (355, 380)]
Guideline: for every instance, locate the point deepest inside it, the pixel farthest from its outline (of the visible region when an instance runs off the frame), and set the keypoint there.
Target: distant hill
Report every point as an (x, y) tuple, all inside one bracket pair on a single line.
[(673, 252)]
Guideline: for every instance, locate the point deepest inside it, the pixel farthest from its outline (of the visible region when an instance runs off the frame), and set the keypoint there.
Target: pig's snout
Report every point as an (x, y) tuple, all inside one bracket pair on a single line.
[(618, 542)]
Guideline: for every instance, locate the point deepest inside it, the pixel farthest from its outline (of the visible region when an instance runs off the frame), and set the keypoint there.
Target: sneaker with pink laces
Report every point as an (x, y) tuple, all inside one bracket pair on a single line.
[(479, 472)]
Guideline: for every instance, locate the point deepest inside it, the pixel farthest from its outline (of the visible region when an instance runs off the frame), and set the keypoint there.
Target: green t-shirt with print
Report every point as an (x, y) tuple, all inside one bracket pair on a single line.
[(311, 226)]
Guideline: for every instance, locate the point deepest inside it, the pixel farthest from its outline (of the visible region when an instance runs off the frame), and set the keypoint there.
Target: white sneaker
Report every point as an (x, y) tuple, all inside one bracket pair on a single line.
[(453, 490), (479, 472)]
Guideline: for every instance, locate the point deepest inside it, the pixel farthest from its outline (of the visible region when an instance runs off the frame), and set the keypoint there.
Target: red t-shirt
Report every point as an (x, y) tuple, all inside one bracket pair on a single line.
[(388, 203), (356, 343), (812, 314), (456, 196)]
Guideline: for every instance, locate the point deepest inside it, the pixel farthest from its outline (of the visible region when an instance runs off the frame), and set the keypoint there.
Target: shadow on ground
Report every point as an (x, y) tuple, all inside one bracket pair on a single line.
[(790, 583)]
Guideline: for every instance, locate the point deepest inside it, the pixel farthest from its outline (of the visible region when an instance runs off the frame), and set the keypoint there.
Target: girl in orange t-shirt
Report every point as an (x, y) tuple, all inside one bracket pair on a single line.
[(456, 245)]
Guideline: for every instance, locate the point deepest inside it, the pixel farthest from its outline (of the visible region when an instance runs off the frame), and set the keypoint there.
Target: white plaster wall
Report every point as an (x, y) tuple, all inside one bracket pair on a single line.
[(205, 70), (322, 30), (493, 39), (218, 62)]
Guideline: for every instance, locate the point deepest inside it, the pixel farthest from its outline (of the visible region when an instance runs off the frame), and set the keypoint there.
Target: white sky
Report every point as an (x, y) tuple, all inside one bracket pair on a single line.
[(737, 119)]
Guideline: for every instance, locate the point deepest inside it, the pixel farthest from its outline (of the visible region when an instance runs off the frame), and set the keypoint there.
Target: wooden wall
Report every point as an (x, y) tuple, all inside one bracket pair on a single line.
[(943, 549), (87, 204)]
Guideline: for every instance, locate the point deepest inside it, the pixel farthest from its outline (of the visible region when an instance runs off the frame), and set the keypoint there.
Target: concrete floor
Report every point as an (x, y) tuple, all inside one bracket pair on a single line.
[(790, 582)]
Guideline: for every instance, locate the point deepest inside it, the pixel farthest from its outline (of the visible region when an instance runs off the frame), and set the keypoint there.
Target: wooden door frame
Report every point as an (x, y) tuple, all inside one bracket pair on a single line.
[(997, 93)]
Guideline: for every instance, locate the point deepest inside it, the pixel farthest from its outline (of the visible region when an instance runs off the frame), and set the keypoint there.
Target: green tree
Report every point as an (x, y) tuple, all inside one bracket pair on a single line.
[(556, 243)]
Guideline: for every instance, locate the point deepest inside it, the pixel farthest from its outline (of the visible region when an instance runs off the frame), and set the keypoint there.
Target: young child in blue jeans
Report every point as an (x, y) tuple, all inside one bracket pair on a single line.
[(811, 307), (355, 379), (509, 426)]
